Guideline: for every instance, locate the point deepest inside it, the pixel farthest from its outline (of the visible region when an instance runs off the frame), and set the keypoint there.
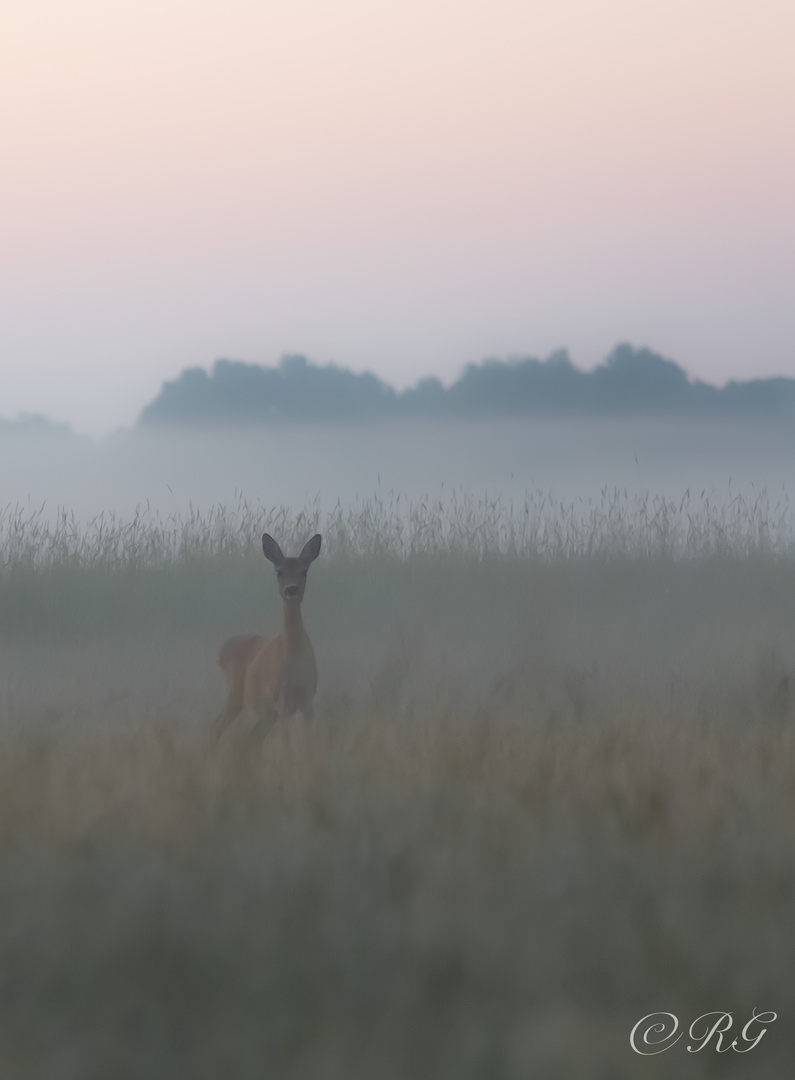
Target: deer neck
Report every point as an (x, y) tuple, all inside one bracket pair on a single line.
[(293, 629)]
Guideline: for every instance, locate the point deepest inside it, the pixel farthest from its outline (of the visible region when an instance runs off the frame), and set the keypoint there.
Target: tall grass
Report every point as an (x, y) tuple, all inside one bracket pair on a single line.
[(541, 527), (450, 897), (550, 789)]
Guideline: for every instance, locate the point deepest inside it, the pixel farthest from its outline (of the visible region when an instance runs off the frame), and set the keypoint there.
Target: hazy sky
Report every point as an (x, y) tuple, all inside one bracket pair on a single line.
[(405, 187)]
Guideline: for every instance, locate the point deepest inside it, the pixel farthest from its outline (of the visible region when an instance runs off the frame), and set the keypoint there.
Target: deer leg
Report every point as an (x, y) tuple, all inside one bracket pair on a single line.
[(268, 715), (235, 658), (230, 712), (235, 673)]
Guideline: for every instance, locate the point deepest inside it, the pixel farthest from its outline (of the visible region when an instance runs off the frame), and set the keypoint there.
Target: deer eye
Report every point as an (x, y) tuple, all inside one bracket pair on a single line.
[(278, 573)]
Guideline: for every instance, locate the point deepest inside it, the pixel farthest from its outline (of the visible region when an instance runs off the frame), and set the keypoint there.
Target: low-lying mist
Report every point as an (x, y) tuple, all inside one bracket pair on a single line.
[(291, 465), (549, 788)]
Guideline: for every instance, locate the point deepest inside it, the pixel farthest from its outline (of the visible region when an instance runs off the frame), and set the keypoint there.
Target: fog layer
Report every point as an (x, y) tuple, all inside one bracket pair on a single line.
[(170, 471)]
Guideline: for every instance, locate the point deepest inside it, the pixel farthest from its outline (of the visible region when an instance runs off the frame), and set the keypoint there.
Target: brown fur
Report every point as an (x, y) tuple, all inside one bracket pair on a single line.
[(277, 676)]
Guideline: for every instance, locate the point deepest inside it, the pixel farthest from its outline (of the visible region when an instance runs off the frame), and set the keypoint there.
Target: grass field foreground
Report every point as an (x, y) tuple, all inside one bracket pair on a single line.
[(550, 790)]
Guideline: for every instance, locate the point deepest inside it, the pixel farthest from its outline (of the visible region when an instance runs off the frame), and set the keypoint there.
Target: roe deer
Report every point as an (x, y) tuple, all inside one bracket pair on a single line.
[(277, 676)]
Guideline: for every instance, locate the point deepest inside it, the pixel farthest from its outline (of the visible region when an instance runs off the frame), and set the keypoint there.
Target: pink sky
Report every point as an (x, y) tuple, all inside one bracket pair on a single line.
[(402, 187)]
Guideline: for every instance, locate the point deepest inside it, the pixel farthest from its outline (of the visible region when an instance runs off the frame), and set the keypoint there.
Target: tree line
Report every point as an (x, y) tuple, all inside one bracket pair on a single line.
[(629, 381)]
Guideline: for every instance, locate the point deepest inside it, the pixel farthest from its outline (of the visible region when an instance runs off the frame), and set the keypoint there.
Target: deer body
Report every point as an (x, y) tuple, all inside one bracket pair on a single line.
[(277, 676)]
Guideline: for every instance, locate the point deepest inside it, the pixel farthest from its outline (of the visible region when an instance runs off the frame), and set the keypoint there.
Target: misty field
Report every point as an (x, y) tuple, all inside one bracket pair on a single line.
[(549, 789)]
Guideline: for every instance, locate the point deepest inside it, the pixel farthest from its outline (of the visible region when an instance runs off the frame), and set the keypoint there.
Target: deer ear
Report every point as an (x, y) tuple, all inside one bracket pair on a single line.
[(271, 550), (311, 549)]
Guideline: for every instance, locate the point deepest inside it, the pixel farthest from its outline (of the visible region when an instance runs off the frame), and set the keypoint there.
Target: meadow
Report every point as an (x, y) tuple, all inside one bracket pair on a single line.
[(550, 789)]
